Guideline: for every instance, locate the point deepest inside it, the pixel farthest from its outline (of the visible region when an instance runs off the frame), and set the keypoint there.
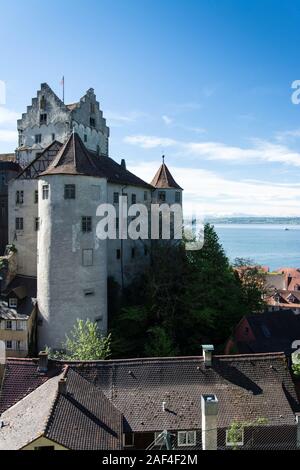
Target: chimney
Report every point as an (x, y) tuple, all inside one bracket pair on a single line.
[(209, 414), (207, 354), (289, 279), (43, 361), (123, 163), (62, 386)]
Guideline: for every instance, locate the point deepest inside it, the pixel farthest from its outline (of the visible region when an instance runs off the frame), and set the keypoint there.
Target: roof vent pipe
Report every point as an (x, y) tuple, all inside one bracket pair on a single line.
[(62, 386), (207, 354), (209, 426), (43, 361)]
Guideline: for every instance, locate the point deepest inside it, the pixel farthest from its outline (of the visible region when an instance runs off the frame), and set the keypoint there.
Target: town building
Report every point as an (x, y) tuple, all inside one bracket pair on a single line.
[(266, 332), (18, 316), (183, 403), (53, 213)]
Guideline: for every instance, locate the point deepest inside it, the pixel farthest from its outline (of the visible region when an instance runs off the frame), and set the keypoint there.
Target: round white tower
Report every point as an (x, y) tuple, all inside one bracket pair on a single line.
[(72, 266)]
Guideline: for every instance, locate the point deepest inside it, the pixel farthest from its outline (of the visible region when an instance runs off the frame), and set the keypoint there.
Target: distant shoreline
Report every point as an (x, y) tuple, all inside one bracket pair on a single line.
[(254, 220)]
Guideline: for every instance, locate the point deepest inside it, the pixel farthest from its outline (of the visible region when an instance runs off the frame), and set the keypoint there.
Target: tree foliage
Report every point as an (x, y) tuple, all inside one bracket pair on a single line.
[(84, 343), (185, 299)]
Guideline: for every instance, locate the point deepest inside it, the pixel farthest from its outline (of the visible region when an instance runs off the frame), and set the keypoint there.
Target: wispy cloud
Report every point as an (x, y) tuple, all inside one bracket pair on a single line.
[(7, 116), (286, 135), (148, 142), (260, 150), (167, 120), (206, 192), (117, 119), (170, 122)]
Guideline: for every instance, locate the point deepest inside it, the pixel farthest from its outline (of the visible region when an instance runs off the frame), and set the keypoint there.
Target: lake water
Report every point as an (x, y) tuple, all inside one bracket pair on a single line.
[(266, 244)]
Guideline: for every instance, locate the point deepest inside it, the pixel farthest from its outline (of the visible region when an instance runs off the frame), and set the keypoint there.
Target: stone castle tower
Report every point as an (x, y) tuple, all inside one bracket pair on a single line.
[(48, 119), (72, 262), (52, 207)]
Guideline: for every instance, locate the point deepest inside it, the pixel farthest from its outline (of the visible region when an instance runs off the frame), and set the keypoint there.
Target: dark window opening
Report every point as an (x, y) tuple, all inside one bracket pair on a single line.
[(70, 191), (19, 223), (43, 118), (86, 224)]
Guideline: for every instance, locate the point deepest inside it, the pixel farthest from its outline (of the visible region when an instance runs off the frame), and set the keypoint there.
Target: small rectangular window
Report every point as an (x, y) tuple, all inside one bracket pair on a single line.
[(92, 122), (53, 137), (85, 138), (43, 118), (86, 224), (36, 196), (20, 326), (186, 438), (8, 325), (132, 252), (118, 253), (69, 191), (162, 196), (38, 138), (146, 250), (8, 344), (37, 224), (45, 191), (13, 302), (19, 197), (133, 198), (19, 223), (177, 197), (87, 257), (45, 448), (145, 196), (92, 108), (128, 439), (116, 198)]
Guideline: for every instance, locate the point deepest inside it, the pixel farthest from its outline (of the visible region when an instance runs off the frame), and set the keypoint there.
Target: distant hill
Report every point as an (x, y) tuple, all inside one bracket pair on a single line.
[(254, 220)]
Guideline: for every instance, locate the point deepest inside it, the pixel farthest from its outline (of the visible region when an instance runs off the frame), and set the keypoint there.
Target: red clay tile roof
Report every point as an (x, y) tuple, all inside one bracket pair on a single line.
[(84, 418), (75, 159), (72, 159), (247, 387), (163, 179), (21, 377)]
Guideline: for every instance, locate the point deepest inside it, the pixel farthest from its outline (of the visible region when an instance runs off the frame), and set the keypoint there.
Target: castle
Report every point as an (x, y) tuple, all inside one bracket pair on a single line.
[(52, 204)]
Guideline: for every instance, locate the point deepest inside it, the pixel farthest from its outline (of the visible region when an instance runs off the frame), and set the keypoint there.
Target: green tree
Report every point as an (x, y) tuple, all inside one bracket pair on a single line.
[(84, 343), (159, 343), (214, 297), (253, 283), (184, 299)]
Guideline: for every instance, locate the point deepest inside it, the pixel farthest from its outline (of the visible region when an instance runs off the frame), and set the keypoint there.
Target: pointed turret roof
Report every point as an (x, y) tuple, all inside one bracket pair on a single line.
[(163, 178), (73, 159)]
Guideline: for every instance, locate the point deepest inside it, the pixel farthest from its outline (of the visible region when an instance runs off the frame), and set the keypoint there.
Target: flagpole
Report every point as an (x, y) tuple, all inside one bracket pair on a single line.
[(63, 89)]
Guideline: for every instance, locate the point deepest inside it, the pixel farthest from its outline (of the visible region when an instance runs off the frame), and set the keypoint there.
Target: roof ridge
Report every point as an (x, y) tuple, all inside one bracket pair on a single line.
[(55, 399)]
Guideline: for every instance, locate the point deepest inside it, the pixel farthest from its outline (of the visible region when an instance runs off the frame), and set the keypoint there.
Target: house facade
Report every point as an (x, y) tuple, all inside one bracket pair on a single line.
[(18, 317)]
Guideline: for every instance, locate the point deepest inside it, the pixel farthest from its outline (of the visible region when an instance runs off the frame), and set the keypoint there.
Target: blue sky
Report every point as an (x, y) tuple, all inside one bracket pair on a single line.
[(207, 83)]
